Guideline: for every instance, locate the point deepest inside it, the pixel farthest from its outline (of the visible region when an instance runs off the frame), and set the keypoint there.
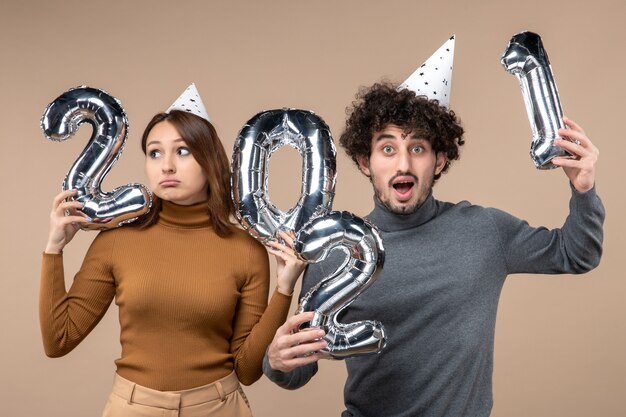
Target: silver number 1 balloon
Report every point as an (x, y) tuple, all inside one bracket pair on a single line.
[(61, 120), (264, 134), (526, 58), (364, 247)]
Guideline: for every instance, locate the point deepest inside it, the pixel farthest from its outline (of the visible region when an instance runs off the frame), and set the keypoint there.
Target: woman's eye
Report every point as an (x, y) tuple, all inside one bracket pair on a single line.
[(154, 154), (183, 151)]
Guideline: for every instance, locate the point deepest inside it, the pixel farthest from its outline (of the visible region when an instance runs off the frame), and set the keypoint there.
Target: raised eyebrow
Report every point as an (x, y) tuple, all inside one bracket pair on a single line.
[(413, 136), (384, 136), (158, 142), (421, 141)]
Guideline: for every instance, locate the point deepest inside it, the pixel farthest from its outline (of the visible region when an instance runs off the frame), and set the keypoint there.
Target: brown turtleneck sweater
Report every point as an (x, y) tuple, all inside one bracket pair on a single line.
[(192, 305)]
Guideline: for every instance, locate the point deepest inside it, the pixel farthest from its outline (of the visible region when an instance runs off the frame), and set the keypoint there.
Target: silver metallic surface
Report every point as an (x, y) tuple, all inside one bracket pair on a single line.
[(526, 58), (263, 135), (365, 254), (61, 120)]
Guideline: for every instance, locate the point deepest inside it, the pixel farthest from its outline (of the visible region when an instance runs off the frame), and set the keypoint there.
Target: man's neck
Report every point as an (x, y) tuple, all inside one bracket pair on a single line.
[(388, 221)]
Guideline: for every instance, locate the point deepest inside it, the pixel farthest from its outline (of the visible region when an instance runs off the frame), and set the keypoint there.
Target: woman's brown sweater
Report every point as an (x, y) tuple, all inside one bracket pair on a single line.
[(192, 305)]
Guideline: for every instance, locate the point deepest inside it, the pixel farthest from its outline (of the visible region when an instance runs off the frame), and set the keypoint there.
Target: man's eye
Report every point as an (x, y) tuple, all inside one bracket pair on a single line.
[(418, 149), (387, 149)]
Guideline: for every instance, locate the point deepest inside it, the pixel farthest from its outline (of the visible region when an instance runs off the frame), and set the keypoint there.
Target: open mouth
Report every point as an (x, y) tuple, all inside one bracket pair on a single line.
[(403, 187)]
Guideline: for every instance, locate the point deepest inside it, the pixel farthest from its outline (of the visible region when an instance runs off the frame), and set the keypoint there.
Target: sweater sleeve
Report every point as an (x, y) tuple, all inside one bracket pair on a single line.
[(256, 321), (576, 247), (290, 380), (67, 317)]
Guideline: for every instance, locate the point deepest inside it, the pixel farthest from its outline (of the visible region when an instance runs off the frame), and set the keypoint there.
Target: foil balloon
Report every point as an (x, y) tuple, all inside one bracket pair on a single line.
[(61, 120), (363, 245), (526, 58), (264, 134)]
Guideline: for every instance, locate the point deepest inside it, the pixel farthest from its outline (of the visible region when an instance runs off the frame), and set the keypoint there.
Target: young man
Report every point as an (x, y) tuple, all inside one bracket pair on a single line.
[(445, 264)]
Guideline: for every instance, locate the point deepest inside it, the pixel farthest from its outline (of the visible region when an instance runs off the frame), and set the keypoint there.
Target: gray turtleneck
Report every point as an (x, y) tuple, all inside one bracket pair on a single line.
[(437, 297)]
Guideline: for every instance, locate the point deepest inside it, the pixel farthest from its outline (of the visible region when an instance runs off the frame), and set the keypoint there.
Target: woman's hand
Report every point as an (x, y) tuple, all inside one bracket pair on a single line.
[(289, 266), (63, 227)]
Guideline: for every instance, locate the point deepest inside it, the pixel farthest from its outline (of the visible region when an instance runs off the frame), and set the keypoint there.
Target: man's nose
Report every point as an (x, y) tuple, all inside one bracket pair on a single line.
[(403, 161)]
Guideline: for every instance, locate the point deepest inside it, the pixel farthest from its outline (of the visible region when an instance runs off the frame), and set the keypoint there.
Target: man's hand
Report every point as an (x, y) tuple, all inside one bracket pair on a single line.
[(581, 167), (287, 350)]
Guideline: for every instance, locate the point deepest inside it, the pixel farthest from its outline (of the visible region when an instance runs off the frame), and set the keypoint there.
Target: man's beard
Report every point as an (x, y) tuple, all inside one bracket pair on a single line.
[(403, 209)]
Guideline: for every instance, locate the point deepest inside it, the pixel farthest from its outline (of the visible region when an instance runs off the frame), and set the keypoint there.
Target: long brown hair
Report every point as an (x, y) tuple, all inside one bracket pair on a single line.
[(207, 149)]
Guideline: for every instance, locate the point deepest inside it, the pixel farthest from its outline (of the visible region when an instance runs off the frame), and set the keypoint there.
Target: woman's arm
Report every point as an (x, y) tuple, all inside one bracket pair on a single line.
[(255, 321), (67, 317)]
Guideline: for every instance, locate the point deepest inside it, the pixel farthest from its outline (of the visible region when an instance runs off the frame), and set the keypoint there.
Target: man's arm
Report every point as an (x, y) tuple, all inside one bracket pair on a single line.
[(577, 246)]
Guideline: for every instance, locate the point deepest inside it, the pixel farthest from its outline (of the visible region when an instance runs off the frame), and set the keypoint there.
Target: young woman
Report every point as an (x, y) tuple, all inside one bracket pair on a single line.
[(191, 288)]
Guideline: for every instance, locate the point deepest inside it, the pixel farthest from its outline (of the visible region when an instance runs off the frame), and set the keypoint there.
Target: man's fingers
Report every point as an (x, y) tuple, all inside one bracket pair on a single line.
[(302, 337), (573, 148), (302, 360), (304, 349), (293, 323), (573, 125)]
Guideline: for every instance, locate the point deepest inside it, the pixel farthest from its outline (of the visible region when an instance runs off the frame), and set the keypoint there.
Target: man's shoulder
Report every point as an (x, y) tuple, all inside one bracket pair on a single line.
[(464, 207)]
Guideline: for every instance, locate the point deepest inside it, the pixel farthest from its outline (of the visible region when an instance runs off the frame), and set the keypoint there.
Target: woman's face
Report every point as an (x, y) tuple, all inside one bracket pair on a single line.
[(173, 173)]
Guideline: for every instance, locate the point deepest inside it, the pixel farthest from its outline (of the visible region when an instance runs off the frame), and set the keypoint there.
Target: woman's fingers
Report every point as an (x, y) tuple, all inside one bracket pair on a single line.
[(288, 237), (58, 199), (69, 206)]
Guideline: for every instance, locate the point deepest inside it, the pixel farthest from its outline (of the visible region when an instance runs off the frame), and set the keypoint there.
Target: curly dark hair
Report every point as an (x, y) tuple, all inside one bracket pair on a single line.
[(382, 104)]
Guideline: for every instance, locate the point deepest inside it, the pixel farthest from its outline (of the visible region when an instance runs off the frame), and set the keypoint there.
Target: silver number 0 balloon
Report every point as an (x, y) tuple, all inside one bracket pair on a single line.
[(264, 134), (318, 231), (327, 299), (61, 120), (526, 58)]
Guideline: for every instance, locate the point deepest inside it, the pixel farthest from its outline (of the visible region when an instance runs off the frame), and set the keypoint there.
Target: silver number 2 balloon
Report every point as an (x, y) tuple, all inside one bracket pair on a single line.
[(526, 58), (319, 230), (264, 134), (364, 247), (61, 120)]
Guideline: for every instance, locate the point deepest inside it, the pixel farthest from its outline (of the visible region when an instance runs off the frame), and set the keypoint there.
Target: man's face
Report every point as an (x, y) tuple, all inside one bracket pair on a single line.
[(401, 168)]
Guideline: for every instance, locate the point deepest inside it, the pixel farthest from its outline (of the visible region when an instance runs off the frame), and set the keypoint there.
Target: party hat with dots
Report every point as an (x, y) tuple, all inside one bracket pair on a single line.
[(434, 77), (191, 102)]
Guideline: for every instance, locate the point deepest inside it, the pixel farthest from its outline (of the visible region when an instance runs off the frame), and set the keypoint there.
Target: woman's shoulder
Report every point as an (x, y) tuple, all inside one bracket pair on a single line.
[(108, 237), (242, 237)]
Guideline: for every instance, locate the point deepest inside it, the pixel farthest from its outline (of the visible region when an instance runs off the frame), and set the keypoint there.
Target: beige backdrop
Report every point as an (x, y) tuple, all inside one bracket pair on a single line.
[(560, 341)]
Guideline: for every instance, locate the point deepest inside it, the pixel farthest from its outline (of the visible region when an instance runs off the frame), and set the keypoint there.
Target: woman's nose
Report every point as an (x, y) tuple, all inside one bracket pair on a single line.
[(168, 165)]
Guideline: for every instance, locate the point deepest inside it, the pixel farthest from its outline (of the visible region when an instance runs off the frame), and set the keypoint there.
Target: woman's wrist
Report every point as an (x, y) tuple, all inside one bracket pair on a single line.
[(53, 249), (284, 290)]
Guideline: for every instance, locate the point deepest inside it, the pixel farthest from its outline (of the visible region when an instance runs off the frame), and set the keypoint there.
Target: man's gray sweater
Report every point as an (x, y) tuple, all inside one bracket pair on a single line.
[(437, 296)]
